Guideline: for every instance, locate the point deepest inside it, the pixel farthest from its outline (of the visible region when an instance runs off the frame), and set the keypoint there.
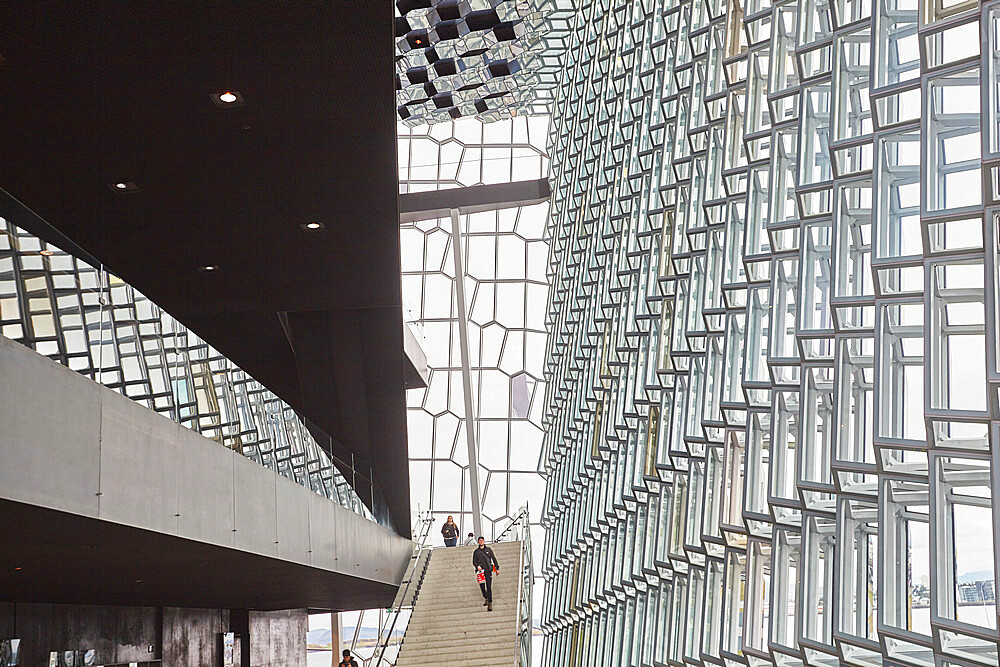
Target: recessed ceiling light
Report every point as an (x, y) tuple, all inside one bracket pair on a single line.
[(208, 268), (18, 568), (124, 187), (45, 252), (229, 98), (313, 226)]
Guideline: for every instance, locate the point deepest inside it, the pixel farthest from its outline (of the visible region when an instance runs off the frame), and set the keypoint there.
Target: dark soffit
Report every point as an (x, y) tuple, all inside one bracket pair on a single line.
[(95, 93), (115, 564)]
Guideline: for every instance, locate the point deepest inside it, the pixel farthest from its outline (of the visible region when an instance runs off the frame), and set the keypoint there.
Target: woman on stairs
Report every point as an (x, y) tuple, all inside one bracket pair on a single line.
[(449, 531)]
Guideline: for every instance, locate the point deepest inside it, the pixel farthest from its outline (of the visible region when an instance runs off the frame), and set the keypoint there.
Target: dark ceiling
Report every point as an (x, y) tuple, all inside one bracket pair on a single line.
[(120, 565), (99, 92)]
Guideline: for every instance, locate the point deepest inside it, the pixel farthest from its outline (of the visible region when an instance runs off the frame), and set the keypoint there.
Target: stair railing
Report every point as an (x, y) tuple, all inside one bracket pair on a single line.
[(517, 525), (519, 529), (381, 655)]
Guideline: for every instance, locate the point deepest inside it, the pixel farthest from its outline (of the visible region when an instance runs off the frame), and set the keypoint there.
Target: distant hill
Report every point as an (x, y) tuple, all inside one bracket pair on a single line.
[(319, 637), (970, 577), (368, 632), (323, 636)]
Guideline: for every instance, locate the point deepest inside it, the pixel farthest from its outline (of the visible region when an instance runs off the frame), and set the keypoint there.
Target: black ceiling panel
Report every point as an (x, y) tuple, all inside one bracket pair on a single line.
[(94, 93)]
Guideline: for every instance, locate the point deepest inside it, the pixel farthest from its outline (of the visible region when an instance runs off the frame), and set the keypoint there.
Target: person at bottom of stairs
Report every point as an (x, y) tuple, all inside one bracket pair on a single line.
[(485, 561)]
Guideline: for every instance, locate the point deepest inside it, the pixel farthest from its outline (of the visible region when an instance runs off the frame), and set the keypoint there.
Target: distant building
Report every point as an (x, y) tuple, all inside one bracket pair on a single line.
[(977, 592)]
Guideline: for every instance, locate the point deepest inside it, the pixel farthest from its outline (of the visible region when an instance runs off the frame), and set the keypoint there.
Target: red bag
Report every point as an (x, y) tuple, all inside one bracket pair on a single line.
[(481, 577)]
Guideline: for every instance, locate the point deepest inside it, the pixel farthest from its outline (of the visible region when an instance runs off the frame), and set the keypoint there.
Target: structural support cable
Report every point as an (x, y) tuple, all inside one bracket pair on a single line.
[(463, 339)]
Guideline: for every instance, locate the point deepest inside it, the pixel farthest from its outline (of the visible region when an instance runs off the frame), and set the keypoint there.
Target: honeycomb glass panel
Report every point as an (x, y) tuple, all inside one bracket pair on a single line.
[(798, 202)]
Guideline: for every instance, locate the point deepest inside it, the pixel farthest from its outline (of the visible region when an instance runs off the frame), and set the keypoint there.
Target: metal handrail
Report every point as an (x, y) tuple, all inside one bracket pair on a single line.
[(521, 513), (525, 634), (387, 628), (524, 607)]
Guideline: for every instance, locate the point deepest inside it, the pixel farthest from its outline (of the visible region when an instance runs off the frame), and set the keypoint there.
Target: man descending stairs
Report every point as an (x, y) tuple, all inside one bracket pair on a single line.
[(449, 624)]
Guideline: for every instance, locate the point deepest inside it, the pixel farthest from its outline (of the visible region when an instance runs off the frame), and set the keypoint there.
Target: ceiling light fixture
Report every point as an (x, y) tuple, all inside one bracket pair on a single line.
[(313, 226), (208, 268), (124, 187), (229, 98), (46, 253)]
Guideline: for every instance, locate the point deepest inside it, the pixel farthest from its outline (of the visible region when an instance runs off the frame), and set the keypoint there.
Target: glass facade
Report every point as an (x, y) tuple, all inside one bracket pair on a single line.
[(773, 404), (90, 321), (506, 289)]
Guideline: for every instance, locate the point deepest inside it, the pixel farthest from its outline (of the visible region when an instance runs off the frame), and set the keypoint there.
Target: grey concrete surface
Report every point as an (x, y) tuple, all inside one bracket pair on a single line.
[(117, 634), (278, 638), (190, 636), (66, 408), (179, 637), (71, 445)]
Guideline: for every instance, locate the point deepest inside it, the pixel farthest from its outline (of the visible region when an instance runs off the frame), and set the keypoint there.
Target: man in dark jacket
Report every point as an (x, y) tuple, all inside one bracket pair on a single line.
[(483, 559)]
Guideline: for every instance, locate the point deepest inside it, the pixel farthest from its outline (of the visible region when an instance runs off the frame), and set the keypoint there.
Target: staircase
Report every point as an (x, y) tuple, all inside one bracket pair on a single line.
[(449, 624)]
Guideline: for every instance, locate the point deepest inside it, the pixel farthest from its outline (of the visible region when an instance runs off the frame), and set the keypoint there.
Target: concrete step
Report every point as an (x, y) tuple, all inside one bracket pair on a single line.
[(444, 622), (467, 556), (444, 652), (456, 553), (461, 640), (461, 596), (450, 625), (444, 605), (468, 582), (470, 631), (468, 578), (468, 575), (500, 607), (454, 618), (460, 603), (466, 564), (457, 598), (471, 660)]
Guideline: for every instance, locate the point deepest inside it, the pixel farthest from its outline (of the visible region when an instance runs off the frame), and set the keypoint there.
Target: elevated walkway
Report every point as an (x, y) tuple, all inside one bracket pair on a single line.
[(151, 513), (449, 624)]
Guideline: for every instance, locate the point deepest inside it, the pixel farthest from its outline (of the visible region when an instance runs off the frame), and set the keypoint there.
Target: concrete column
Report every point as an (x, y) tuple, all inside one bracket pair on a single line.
[(336, 638)]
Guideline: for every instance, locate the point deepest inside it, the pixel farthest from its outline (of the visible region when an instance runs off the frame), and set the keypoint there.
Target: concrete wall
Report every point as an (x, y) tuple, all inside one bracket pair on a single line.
[(117, 634), (278, 638), (125, 634), (70, 444), (190, 636)]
